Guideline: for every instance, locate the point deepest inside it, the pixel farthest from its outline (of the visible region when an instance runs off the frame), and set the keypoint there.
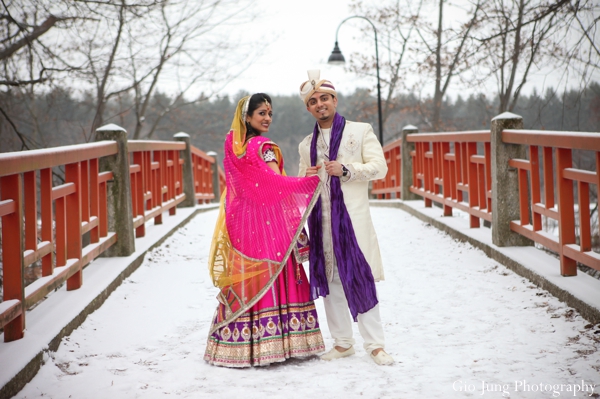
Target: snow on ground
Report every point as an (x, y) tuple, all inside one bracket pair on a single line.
[(455, 321)]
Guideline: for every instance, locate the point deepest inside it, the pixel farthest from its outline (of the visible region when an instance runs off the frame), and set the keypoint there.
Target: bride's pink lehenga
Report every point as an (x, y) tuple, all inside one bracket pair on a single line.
[(265, 314)]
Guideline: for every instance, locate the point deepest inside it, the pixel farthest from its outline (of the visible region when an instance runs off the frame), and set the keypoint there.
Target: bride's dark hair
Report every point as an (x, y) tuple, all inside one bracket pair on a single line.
[(255, 101)]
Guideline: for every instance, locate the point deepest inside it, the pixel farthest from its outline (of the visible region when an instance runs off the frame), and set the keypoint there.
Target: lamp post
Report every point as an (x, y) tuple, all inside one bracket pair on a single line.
[(337, 58)]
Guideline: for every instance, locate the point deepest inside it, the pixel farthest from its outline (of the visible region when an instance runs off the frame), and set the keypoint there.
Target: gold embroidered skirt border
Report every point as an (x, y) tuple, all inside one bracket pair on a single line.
[(258, 338)]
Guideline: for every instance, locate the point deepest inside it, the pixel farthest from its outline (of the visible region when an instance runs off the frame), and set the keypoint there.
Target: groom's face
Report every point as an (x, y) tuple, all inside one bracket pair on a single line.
[(322, 106)]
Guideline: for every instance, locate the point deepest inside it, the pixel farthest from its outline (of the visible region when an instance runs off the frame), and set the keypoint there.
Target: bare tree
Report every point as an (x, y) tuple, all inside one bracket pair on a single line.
[(27, 60), (183, 44), (395, 24), (21, 26), (38, 38), (98, 53), (523, 36), (586, 15), (447, 52), (423, 46), (146, 45), (114, 49), (583, 36)]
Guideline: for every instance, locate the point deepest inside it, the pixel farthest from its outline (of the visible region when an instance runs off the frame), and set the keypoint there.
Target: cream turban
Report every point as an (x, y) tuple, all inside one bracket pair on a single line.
[(314, 84)]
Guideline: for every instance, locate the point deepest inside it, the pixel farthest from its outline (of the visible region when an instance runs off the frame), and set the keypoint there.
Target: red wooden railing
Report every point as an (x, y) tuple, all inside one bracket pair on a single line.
[(391, 184), (447, 165), (59, 244), (156, 181), (544, 204), (26, 191), (203, 181)]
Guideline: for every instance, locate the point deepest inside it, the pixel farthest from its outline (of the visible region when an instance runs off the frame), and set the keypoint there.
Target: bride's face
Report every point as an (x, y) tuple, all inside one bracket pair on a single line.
[(261, 118)]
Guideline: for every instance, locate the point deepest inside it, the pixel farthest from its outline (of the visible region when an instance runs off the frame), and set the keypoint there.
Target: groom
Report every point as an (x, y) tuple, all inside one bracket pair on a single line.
[(344, 258)]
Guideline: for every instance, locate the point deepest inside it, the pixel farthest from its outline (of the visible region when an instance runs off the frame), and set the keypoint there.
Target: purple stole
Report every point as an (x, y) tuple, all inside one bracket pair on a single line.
[(355, 272)]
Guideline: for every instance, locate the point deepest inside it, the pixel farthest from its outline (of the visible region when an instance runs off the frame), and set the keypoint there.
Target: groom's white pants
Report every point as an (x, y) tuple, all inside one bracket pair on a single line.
[(340, 321)]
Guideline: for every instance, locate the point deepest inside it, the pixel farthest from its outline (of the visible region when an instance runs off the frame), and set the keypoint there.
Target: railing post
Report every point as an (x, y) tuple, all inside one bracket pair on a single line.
[(407, 166), (188, 171), (74, 238), (215, 176), (505, 182), (120, 213), (566, 211), (12, 254)]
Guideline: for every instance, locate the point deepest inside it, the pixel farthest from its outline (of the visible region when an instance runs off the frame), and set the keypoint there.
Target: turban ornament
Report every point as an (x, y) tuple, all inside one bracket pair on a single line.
[(315, 84)]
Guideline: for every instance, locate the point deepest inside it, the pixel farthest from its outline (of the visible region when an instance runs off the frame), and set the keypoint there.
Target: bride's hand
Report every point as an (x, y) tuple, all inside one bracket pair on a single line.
[(312, 170)]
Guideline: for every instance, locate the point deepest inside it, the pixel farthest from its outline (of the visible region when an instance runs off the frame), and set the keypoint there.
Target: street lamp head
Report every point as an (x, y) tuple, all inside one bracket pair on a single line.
[(336, 57)]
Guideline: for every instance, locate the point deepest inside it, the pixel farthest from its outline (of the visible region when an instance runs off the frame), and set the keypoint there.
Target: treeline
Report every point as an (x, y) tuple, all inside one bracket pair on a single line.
[(60, 118)]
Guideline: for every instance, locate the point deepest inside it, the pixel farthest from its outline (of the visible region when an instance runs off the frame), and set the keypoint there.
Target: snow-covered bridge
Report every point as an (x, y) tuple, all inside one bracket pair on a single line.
[(455, 320), (468, 311)]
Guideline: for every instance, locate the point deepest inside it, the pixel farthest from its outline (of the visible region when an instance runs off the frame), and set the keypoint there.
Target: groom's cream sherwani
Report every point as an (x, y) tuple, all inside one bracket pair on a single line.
[(362, 154)]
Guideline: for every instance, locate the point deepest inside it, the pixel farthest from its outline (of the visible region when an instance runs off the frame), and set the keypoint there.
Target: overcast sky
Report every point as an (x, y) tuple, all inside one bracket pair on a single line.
[(296, 36)]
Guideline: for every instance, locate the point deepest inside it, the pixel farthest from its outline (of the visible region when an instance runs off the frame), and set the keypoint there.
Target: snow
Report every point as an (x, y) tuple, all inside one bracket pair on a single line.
[(47, 319), (455, 320), (583, 287)]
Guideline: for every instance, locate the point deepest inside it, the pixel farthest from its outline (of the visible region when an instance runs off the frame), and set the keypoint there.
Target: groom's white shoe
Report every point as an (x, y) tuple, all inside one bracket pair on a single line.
[(382, 358), (335, 354)]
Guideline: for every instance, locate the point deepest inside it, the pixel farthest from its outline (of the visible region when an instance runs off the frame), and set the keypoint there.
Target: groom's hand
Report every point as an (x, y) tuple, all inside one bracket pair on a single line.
[(312, 170), (333, 168)]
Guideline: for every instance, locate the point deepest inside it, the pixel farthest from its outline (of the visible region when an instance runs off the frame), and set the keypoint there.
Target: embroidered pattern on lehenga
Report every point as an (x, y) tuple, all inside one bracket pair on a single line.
[(277, 334)]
